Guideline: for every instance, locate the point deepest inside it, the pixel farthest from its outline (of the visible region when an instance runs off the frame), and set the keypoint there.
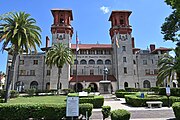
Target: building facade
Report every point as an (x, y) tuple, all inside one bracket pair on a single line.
[(127, 65)]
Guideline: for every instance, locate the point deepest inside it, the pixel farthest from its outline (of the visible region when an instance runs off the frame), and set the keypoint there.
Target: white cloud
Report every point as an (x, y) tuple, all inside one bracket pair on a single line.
[(104, 9)]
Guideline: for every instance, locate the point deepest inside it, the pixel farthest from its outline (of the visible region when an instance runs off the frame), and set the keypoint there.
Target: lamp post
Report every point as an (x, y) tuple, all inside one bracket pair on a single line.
[(8, 80)]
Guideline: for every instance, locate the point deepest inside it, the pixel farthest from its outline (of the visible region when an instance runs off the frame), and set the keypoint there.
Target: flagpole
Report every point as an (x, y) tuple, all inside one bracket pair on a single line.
[(76, 61)]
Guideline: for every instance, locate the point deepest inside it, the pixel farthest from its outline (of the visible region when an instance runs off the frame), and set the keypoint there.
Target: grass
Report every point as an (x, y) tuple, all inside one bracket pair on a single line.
[(38, 99)]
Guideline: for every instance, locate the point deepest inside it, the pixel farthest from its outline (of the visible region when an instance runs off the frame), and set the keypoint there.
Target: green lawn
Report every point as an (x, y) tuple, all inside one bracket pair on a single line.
[(38, 99)]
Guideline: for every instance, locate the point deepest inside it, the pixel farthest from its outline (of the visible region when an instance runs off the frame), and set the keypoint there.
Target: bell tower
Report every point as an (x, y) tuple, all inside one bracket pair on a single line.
[(61, 28), (62, 32), (120, 33)]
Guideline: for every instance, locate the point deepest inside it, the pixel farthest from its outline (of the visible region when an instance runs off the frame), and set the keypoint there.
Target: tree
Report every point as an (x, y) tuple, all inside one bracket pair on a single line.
[(58, 55), (18, 32), (166, 69)]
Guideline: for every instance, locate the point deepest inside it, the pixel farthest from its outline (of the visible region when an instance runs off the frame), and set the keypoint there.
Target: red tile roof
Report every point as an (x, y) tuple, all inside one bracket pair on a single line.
[(161, 49), (91, 78), (92, 46)]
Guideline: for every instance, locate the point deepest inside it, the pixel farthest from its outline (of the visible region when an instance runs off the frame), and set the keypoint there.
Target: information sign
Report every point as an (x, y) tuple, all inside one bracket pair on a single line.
[(72, 106)]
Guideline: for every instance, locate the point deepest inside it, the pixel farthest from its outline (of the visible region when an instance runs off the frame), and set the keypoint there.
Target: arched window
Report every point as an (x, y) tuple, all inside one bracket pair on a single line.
[(75, 61), (99, 62), (34, 85), (125, 84), (91, 62), (107, 62), (48, 86), (146, 84), (83, 62)]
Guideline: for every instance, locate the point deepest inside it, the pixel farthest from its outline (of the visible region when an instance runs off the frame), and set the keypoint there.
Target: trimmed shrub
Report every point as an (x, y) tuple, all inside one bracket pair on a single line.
[(106, 111), (120, 114), (141, 102), (98, 101), (87, 89), (155, 89), (67, 91), (30, 92), (121, 90), (122, 94), (73, 94), (85, 107), (176, 109), (128, 89), (14, 94), (2, 93)]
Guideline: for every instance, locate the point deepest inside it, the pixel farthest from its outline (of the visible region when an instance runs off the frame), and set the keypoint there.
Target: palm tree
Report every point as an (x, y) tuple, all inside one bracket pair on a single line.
[(19, 32), (57, 56), (169, 67)]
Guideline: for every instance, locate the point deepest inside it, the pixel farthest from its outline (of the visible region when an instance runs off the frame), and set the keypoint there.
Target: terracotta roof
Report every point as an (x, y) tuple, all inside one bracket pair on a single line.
[(92, 46), (91, 78), (161, 49)]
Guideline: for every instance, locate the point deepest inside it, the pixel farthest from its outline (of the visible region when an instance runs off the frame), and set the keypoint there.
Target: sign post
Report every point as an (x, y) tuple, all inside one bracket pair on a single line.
[(72, 107), (168, 93)]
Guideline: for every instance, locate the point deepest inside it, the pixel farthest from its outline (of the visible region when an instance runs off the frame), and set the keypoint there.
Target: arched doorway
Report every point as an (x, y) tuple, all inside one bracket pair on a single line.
[(48, 86), (125, 84), (94, 87), (34, 85), (19, 86), (79, 87), (146, 84)]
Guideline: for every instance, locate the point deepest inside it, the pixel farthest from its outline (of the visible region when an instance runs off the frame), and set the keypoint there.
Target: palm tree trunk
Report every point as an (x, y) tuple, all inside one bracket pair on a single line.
[(58, 84), (10, 76)]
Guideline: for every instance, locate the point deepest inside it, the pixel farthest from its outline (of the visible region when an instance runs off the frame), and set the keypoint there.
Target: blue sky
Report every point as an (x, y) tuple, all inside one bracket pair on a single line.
[(91, 19)]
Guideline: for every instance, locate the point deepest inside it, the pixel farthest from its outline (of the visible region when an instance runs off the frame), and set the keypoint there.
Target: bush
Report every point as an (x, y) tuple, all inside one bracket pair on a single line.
[(122, 94), (87, 89), (67, 91), (176, 109), (128, 89), (98, 101), (106, 111), (39, 111), (30, 92), (85, 107), (2, 93), (120, 114), (121, 90), (135, 101), (14, 94)]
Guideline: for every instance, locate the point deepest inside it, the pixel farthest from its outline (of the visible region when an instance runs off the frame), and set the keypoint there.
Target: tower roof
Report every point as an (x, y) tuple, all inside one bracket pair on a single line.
[(119, 11), (62, 10)]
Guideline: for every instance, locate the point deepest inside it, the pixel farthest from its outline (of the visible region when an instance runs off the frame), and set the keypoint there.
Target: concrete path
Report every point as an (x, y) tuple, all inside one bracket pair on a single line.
[(137, 113)]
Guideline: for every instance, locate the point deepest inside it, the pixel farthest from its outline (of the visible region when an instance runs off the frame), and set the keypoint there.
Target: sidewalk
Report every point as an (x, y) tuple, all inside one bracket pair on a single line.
[(137, 113)]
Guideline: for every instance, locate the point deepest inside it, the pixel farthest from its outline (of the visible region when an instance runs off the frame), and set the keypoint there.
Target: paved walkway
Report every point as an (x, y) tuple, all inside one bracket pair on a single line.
[(137, 113)]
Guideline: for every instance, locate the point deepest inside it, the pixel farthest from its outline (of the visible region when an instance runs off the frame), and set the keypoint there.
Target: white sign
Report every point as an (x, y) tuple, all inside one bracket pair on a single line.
[(72, 106)]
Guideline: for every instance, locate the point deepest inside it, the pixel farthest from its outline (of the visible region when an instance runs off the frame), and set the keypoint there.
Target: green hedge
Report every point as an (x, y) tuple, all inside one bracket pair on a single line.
[(135, 101), (120, 114), (176, 109), (122, 94), (38, 111), (162, 91), (106, 111), (97, 101), (128, 89)]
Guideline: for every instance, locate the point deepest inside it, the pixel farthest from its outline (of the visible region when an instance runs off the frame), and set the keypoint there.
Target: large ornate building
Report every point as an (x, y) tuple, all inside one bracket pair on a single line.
[(127, 65)]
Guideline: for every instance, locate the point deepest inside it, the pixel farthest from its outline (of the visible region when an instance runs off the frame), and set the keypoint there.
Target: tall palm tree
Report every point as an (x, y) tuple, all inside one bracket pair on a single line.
[(19, 32), (57, 56), (167, 68)]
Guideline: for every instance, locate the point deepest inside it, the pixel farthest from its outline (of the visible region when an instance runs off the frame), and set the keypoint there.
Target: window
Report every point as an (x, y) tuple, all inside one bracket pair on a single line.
[(121, 21), (74, 72), (134, 72), (91, 72), (22, 72), (144, 62), (125, 70), (83, 62), (107, 62), (83, 52), (107, 52), (152, 61), (92, 62), (134, 61), (124, 59), (21, 62), (91, 52), (48, 73), (75, 62), (99, 52), (123, 48), (99, 62), (61, 20), (155, 71), (35, 62), (147, 71), (32, 72)]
